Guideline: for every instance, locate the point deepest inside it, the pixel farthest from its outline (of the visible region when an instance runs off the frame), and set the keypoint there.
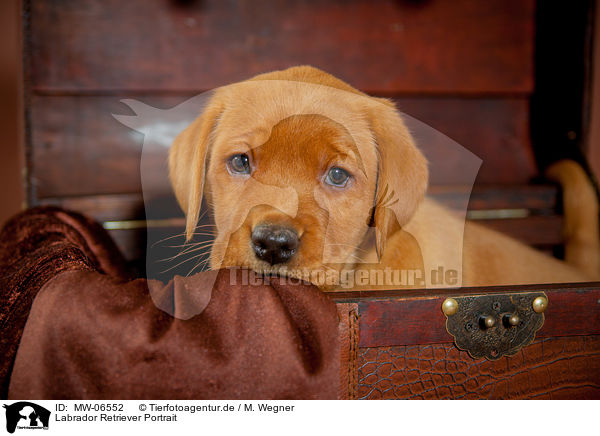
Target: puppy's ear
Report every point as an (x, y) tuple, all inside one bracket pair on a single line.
[(187, 163), (402, 172)]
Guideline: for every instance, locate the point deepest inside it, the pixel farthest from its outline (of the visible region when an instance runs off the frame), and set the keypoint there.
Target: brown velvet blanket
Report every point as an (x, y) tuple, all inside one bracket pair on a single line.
[(74, 326)]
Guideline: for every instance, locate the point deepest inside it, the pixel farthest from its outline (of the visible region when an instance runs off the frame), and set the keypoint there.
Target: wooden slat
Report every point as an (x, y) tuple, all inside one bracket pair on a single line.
[(541, 231), (497, 131), (533, 230), (78, 148), (389, 318), (387, 46), (103, 207), (540, 198), (536, 198)]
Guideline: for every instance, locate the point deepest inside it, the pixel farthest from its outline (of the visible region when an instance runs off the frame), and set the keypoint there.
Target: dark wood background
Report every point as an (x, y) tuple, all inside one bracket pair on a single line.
[(467, 68)]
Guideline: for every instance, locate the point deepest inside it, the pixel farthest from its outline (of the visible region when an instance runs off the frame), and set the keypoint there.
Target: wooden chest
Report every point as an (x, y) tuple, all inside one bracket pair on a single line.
[(472, 70), (401, 348)]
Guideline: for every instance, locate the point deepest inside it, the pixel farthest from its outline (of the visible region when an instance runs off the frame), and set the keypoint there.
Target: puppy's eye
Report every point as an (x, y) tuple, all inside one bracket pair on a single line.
[(239, 164), (337, 177)]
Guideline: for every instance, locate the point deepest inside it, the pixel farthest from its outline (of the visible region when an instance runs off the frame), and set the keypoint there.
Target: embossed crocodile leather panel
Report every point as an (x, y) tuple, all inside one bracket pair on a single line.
[(550, 368)]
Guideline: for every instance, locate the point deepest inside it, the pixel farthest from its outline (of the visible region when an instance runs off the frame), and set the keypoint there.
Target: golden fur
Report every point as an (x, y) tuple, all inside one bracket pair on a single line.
[(295, 125)]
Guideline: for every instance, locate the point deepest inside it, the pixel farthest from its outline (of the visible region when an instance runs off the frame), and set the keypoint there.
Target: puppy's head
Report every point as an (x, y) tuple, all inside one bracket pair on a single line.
[(295, 166)]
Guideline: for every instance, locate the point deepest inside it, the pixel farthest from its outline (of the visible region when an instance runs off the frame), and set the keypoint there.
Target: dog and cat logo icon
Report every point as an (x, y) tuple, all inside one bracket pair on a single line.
[(26, 415)]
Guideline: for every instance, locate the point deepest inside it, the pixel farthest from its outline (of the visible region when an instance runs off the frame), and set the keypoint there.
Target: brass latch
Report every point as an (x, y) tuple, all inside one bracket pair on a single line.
[(494, 325)]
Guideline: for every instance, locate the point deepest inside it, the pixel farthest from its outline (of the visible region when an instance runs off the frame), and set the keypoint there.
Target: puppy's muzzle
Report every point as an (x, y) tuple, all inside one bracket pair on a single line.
[(274, 244)]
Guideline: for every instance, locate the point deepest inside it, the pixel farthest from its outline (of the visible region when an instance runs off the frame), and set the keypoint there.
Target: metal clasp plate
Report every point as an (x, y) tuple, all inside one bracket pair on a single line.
[(494, 325)]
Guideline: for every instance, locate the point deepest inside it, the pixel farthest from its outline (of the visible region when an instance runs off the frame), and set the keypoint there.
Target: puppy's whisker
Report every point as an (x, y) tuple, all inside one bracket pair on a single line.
[(194, 246), (187, 244), (329, 268), (201, 226), (206, 246), (178, 235), (357, 259), (199, 264), (184, 261), (209, 232)]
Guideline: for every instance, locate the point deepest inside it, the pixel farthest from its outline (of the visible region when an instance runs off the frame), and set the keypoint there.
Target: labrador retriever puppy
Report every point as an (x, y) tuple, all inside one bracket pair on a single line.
[(307, 177)]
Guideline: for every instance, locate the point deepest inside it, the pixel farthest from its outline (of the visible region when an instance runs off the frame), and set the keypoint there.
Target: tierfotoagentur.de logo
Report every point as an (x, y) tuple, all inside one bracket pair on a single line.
[(25, 415)]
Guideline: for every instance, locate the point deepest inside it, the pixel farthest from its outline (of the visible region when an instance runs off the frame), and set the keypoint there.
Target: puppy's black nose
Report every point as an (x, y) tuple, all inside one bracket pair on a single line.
[(274, 244)]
